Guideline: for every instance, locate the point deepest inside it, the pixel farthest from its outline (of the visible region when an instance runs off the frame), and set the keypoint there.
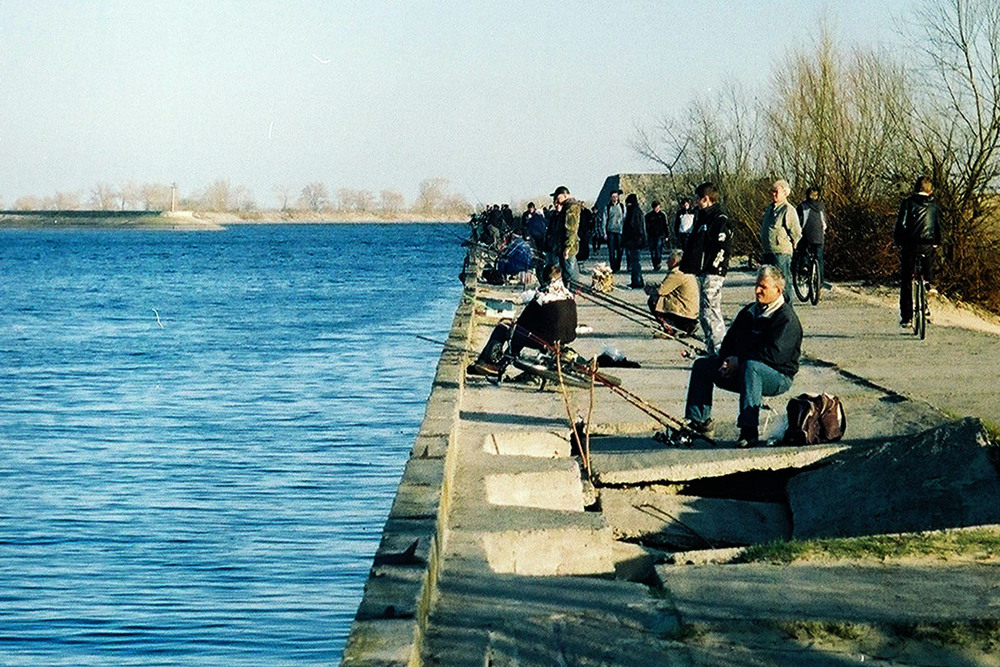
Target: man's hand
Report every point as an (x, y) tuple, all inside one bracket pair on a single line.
[(729, 367)]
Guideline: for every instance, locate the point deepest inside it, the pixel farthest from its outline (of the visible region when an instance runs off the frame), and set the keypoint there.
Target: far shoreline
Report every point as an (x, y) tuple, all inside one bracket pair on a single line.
[(203, 220)]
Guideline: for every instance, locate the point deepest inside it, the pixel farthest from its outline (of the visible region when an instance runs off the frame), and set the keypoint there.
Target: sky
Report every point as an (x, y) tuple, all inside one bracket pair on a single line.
[(506, 100)]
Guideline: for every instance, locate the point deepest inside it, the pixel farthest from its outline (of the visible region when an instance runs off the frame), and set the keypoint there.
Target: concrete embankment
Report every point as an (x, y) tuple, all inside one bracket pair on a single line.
[(501, 550)]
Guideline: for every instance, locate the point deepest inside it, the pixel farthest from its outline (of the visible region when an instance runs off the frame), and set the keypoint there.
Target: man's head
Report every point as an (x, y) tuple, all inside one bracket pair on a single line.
[(656, 206), (531, 207), (770, 285), (674, 258), (923, 185), (560, 194), (632, 200), (780, 190), (813, 193), (705, 195), (614, 196)]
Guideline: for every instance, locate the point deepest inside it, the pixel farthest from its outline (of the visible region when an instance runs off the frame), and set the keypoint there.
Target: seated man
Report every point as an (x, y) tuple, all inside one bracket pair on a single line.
[(758, 357), (676, 301), (516, 257), (549, 318)]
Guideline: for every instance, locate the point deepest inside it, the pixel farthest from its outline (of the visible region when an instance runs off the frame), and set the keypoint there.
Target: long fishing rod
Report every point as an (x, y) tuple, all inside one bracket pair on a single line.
[(662, 416)]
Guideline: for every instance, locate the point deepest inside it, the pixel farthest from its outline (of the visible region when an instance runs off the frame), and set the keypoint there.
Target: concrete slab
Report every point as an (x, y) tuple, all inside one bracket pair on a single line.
[(941, 478), (561, 551), (845, 592), (557, 489), (622, 461), (541, 444), (688, 522)]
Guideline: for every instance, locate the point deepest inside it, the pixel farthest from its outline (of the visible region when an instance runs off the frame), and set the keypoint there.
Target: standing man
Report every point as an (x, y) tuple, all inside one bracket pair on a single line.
[(533, 226), (611, 229), (564, 229), (780, 232), (707, 257), (633, 240), (759, 357), (812, 215), (683, 223), (917, 233), (656, 232)]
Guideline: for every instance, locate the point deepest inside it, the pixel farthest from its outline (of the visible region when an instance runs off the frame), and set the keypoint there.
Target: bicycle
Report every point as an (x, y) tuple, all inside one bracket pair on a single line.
[(921, 310), (805, 275)]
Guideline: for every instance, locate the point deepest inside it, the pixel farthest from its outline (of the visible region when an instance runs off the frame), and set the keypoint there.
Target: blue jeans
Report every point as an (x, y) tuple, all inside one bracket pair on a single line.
[(568, 266), (656, 252), (752, 382), (784, 264), (635, 266)]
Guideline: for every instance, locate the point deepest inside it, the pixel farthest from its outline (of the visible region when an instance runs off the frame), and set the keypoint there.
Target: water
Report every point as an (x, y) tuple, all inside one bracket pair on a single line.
[(201, 434)]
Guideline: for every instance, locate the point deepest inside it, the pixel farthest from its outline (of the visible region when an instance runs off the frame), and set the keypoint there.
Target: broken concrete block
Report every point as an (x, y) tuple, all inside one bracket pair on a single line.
[(558, 551), (556, 489), (690, 522), (541, 444), (941, 478)]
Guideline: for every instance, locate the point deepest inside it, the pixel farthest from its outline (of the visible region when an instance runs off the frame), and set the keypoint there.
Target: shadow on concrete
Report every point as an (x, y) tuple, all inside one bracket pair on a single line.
[(508, 418)]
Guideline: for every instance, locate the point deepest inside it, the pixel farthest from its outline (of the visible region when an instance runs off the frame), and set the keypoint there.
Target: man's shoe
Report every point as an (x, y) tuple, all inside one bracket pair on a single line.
[(905, 324), (747, 443), (481, 368), (931, 289), (705, 428)]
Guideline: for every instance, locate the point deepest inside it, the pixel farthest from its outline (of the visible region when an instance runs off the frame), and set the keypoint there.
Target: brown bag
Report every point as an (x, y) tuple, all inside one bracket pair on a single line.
[(814, 419)]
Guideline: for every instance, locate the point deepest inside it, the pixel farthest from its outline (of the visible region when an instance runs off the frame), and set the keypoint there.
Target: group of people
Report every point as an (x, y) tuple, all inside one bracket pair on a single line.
[(758, 355)]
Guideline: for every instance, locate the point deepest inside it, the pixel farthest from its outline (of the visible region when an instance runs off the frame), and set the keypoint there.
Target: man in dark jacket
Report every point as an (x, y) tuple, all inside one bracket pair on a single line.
[(706, 256), (656, 234), (812, 217), (633, 240), (917, 233), (758, 357)]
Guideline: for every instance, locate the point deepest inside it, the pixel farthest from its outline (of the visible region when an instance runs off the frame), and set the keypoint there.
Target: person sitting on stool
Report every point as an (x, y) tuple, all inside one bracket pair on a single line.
[(758, 357), (549, 318)]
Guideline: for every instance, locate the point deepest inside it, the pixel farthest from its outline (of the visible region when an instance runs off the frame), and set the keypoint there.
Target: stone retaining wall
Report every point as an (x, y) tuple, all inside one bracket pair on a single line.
[(391, 619)]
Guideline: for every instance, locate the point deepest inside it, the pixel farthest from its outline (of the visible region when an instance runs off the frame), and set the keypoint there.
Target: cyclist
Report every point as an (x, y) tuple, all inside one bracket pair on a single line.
[(812, 216), (917, 234)]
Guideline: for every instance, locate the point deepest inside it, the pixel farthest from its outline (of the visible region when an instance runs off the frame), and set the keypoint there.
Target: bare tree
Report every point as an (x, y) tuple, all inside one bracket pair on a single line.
[(131, 196), (155, 196), (351, 199), (283, 194), (391, 202), (315, 197), (431, 195), (104, 197)]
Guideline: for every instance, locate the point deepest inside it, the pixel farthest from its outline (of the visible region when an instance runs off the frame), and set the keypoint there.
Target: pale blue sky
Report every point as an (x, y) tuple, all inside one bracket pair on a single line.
[(505, 100)]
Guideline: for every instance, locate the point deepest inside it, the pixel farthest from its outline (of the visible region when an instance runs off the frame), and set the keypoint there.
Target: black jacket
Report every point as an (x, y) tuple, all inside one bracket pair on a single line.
[(707, 249), (812, 215), (917, 222), (775, 340), (656, 224), (633, 229)]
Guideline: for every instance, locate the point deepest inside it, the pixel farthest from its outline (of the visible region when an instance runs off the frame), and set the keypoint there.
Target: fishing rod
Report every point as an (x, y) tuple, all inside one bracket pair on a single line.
[(663, 417)]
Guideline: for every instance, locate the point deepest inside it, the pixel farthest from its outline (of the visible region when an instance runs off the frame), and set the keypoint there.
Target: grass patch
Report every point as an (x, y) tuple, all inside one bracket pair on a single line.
[(982, 634), (978, 543), (823, 630)]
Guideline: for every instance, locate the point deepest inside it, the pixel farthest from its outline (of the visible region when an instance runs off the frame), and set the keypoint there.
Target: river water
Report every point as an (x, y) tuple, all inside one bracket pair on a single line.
[(201, 434)]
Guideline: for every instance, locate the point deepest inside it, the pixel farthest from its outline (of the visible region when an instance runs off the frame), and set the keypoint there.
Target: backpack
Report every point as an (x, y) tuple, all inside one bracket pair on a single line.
[(814, 418)]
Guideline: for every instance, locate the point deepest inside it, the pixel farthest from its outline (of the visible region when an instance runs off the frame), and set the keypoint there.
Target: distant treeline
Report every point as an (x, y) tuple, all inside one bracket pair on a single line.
[(433, 199)]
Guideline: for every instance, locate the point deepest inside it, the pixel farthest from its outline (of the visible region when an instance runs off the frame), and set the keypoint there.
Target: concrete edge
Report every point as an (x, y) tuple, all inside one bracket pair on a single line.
[(391, 620)]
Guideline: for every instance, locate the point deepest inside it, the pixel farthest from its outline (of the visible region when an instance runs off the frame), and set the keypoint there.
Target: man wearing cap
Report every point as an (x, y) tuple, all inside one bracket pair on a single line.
[(563, 233)]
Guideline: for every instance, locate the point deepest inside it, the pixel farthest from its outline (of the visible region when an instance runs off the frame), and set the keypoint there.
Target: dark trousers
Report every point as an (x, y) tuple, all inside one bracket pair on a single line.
[(908, 257), (635, 266), (656, 252), (615, 251)]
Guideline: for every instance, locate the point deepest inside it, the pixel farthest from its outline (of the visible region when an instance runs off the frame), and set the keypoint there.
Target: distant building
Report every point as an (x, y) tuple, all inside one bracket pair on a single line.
[(647, 187)]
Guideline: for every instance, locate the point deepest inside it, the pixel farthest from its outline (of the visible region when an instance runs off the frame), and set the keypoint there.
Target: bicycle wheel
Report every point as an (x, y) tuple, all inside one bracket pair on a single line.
[(814, 285), (800, 278), (919, 307)]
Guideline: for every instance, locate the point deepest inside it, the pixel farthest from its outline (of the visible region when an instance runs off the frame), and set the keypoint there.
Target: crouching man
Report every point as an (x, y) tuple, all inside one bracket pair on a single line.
[(675, 302), (758, 357), (549, 318)]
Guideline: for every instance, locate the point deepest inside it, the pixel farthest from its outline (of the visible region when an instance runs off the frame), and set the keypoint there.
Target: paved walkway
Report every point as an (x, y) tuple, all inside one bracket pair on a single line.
[(509, 590)]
